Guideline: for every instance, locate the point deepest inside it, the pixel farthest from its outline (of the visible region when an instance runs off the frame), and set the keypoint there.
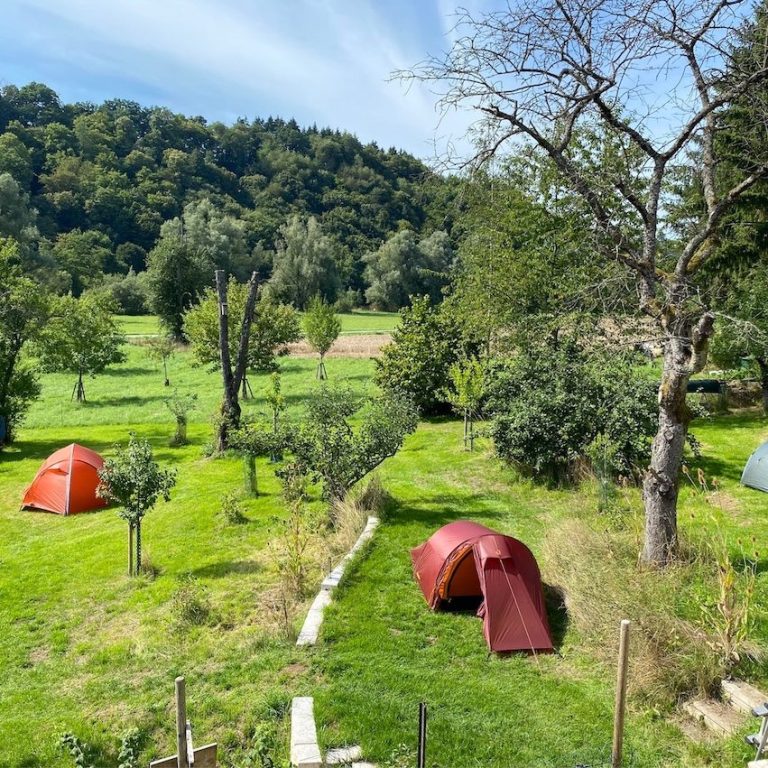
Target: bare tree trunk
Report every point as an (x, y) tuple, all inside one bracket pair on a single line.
[(167, 382), (466, 430), (684, 355)]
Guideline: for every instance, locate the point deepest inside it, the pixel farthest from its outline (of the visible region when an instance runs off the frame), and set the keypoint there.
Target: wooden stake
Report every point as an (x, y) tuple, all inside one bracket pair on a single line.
[(181, 724), (621, 695)]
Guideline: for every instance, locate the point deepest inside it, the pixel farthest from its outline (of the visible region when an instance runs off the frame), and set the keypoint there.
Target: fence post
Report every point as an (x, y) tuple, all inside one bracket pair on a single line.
[(422, 750), (621, 695)]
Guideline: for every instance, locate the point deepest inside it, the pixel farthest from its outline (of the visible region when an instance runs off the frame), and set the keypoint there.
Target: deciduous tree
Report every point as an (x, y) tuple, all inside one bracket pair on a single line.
[(321, 327), (539, 72), (81, 337)]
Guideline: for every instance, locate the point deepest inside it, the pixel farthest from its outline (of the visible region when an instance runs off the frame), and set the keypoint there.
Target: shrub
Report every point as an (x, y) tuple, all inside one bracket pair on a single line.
[(348, 301), (417, 362), (231, 509), (552, 401)]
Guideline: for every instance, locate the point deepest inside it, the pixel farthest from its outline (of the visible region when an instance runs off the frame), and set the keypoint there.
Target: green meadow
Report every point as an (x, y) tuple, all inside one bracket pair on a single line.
[(88, 650)]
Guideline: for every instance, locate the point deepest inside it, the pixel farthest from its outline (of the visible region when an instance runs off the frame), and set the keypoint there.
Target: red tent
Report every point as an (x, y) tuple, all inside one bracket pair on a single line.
[(66, 482), (466, 560)]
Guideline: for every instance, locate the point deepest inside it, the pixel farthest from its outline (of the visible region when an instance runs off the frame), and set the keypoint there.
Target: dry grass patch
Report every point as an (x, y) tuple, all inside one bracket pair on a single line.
[(686, 633)]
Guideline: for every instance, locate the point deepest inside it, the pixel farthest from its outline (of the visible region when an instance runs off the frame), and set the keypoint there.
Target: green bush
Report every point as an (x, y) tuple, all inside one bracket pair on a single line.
[(551, 402), (425, 345)]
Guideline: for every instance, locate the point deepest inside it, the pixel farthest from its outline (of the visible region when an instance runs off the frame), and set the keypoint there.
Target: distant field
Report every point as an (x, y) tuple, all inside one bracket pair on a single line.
[(352, 323)]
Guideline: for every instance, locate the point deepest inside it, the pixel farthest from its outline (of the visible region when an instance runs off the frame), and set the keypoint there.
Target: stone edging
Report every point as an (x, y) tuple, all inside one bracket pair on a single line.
[(305, 751), (311, 628)]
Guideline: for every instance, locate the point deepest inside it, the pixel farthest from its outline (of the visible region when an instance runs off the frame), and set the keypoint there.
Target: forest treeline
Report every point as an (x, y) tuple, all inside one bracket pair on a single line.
[(92, 189)]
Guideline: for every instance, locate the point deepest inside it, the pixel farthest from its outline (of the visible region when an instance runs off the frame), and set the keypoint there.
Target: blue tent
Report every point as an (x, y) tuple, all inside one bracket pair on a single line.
[(755, 473)]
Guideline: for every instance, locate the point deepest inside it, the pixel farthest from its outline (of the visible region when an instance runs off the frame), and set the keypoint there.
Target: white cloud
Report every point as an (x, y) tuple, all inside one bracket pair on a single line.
[(324, 61)]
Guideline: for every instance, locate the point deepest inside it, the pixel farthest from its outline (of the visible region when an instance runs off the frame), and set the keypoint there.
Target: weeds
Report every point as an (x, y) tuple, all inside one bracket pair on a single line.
[(190, 603)]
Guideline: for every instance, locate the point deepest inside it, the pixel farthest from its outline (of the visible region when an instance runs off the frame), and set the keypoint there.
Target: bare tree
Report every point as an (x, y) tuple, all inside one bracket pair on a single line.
[(232, 379), (646, 81)]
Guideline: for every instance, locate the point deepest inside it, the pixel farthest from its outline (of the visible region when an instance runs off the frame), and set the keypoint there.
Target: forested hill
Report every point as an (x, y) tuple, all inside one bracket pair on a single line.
[(118, 170)]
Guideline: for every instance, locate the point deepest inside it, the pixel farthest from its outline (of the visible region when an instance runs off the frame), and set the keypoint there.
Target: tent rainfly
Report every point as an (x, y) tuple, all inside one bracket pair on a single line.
[(465, 561), (755, 473), (66, 483)]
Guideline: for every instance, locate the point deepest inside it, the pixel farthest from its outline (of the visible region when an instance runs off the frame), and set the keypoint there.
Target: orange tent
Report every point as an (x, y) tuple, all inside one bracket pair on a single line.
[(66, 482)]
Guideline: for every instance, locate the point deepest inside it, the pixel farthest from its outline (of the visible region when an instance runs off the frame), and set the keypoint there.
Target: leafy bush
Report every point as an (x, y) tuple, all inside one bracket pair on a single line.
[(417, 362), (552, 401), (231, 509)]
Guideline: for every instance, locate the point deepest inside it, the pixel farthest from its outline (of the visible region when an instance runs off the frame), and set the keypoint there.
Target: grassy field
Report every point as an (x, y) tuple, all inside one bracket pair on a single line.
[(89, 650), (352, 323), (384, 651)]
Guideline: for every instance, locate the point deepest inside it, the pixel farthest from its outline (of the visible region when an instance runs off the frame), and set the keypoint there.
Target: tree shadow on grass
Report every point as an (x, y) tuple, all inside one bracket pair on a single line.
[(227, 567), (123, 400), (715, 467)]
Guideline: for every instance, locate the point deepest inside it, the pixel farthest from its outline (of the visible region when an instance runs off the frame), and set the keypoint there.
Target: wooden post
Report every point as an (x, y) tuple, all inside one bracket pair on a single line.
[(621, 695), (422, 748), (181, 724), (130, 549)]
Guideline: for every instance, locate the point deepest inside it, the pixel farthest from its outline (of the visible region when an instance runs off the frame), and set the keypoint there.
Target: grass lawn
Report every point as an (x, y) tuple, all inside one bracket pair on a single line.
[(352, 323), (384, 651), (89, 650)]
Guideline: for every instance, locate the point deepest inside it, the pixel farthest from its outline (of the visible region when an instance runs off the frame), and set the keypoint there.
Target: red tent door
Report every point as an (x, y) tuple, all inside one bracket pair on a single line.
[(514, 613)]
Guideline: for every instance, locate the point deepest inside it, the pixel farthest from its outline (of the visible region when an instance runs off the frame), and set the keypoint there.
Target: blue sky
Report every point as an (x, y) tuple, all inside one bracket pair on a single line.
[(320, 61)]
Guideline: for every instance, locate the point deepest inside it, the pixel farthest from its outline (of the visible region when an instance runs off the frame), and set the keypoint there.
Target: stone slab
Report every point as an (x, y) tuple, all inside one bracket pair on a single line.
[(343, 755), (305, 752)]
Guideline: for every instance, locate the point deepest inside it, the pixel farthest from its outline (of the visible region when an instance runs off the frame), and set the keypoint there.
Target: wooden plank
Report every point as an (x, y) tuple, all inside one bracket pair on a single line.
[(205, 757)]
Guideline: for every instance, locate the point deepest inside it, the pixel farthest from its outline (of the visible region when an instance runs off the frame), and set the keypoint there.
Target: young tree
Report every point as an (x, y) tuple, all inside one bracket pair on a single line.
[(160, 349), (81, 337), (545, 73), (466, 394), (273, 327), (276, 401), (304, 264), (134, 480), (332, 452), (321, 327), (24, 308), (177, 274)]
